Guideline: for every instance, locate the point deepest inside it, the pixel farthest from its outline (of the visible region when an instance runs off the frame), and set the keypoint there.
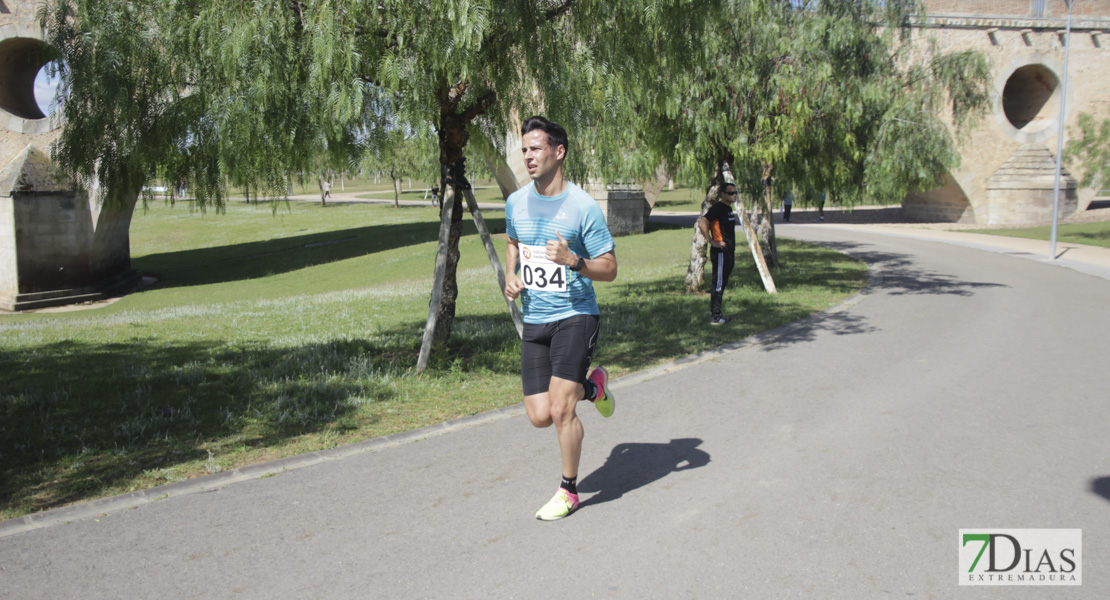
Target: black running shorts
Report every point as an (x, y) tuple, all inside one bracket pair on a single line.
[(561, 349)]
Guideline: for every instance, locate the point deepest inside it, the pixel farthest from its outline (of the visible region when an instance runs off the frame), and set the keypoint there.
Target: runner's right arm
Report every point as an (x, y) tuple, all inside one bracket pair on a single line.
[(513, 282)]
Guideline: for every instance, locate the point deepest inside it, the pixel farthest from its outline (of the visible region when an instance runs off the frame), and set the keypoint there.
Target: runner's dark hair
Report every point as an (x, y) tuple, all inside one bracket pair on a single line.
[(556, 135)]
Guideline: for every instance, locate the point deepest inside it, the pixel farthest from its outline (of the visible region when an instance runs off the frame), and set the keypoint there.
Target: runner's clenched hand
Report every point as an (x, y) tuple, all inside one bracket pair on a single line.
[(558, 251)]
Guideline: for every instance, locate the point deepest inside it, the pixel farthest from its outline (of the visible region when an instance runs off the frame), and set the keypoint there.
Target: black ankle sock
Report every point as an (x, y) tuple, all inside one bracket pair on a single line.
[(591, 390), (570, 484)]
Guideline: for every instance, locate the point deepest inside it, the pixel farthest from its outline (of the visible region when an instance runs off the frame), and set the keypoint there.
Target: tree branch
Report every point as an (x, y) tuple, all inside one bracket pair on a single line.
[(559, 11), (480, 106)]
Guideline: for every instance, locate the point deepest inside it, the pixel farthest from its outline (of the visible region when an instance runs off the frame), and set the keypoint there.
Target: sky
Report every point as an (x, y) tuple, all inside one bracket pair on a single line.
[(44, 91)]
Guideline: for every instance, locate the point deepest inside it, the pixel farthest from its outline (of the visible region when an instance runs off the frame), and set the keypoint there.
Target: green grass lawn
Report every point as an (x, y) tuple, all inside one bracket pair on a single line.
[(685, 199), (1092, 234), (680, 199), (482, 193), (271, 333)]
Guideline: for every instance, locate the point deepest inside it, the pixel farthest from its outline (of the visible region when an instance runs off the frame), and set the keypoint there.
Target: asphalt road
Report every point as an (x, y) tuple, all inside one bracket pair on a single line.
[(834, 458)]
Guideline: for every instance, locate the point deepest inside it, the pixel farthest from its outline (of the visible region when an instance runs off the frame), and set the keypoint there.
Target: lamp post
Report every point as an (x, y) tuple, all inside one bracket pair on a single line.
[(1060, 137)]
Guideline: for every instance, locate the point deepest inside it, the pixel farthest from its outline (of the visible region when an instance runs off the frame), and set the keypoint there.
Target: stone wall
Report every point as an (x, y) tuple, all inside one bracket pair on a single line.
[(1018, 8), (623, 206), (56, 247), (946, 204), (54, 250), (1023, 190)]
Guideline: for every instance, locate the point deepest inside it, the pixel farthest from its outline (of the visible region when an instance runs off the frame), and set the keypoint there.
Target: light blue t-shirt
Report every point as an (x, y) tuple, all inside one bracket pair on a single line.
[(532, 219)]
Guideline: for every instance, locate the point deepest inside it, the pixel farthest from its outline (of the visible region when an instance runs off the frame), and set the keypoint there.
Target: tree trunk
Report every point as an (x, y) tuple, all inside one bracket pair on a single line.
[(453, 137), (766, 238), (446, 318), (652, 188), (439, 281), (695, 272), (396, 192), (771, 248)]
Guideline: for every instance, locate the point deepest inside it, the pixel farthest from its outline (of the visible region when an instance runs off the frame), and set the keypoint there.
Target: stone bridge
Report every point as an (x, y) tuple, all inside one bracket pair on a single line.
[(1008, 170)]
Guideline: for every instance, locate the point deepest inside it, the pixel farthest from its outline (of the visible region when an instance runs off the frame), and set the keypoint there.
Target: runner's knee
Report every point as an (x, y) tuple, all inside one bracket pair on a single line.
[(539, 412), (540, 422), (563, 395)]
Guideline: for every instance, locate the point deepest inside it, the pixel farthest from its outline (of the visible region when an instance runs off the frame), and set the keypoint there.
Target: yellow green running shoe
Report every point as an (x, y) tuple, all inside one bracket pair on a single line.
[(558, 507), (604, 400)]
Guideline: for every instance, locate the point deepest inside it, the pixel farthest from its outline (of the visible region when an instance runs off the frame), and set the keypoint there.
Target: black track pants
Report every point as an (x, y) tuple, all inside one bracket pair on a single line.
[(722, 260)]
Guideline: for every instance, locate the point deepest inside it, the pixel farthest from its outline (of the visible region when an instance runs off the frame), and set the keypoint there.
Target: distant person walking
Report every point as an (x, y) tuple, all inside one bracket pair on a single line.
[(787, 203), (327, 190), (558, 246), (719, 227)]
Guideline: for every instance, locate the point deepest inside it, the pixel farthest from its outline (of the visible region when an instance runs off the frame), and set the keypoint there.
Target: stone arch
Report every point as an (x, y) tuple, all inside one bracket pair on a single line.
[(1027, 96), (22, 54), (20, 61)]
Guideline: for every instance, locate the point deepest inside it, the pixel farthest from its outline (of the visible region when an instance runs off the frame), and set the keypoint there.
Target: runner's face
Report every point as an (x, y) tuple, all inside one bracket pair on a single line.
[(541, 159)]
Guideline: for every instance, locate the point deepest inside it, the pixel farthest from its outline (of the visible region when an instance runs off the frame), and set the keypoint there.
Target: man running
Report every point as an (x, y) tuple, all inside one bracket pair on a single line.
[(558, 246), (721, 219)]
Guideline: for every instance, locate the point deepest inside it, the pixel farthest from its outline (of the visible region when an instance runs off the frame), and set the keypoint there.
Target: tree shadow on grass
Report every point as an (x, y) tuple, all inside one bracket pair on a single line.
[(631, 466), (644, 323), (250, 260), (1100, 238), (79, 420)]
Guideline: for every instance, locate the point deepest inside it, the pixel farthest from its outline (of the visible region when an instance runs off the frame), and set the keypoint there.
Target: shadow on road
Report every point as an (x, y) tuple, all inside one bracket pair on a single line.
[(838, 323), (897, 274), (1101, 486), (633, 465)]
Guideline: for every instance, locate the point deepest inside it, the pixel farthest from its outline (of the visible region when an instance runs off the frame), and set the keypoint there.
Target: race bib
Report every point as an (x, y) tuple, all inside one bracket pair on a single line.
[(539, 273)]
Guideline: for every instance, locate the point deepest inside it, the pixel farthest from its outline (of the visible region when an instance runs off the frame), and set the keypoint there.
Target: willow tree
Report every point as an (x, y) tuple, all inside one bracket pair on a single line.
[(834, 94), (208, 91), (403, 153)]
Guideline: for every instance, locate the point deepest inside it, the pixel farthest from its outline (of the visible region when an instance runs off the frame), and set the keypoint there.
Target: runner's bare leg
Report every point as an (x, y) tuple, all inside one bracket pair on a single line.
[(558, 406)]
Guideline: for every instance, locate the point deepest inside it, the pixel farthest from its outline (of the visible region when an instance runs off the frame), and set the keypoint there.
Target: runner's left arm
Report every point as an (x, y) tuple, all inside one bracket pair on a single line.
[(602, 268)]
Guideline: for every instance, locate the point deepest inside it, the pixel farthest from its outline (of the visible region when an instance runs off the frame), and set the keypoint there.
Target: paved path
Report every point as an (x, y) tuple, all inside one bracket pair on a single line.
[(834, 458)]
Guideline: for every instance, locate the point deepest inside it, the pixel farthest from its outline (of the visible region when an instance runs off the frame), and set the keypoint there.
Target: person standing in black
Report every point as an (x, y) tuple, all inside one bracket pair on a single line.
[(719, 227)]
